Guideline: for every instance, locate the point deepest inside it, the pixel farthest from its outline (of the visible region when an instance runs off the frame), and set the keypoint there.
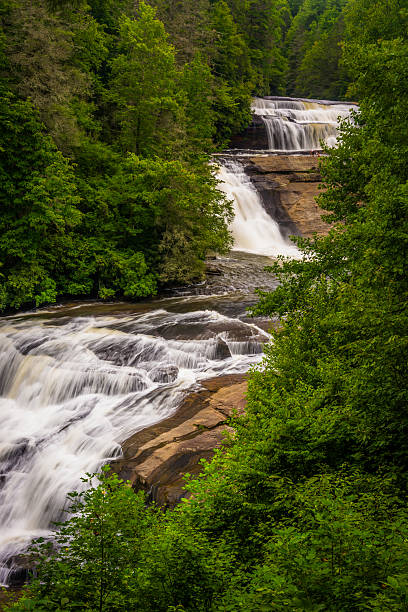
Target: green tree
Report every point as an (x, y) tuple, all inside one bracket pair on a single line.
[(51, 58), (143, 87), (294, 6), (189, 215), (233, 74), (198, 84), (262, 24), (372, 21), (321, 73), (314, 51), (39, 204), (188, 25), (97, 549), (114, 553)]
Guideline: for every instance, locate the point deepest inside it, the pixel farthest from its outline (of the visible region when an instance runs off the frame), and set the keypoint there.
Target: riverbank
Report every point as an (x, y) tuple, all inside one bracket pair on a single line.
[(156, 458)]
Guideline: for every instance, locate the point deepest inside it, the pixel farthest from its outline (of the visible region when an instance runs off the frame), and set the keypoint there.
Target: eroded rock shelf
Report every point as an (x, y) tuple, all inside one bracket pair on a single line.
[(288, 186), (156, 458)]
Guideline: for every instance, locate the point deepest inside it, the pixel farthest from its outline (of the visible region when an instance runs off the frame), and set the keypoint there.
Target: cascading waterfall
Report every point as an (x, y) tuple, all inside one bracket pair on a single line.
[(253, 230), (298, 125), (73, 389), (292, 125)]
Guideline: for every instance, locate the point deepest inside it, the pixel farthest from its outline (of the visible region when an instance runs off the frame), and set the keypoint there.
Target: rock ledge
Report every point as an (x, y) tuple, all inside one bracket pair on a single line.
[(288, 186), (156, 458)]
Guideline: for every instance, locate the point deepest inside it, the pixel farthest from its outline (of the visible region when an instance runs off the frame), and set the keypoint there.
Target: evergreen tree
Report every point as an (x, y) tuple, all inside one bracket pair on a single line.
[(188, 25), (233, 73), (314, 52), (198, 84)]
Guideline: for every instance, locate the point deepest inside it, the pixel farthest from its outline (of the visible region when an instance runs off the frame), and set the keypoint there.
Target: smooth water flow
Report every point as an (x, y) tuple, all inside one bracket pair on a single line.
[(298, 125), (73, 389), (253, 230)]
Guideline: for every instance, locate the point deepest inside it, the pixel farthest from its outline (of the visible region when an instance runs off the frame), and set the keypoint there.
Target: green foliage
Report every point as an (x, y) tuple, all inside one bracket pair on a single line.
[(142, 87), (262, 23), (188, 25), (197, 82), (168, 82), (50, 60), (304, 508), (174, 212), (114, 553), (233, 73), (104, 81), (294, 6), (96, 549), (339, 550), (372, 21), (314, 50), (39, 207)]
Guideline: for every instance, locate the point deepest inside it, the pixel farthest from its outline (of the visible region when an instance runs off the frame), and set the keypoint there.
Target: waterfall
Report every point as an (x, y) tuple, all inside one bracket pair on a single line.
[(299, 125), (253, 230), (73, 389)]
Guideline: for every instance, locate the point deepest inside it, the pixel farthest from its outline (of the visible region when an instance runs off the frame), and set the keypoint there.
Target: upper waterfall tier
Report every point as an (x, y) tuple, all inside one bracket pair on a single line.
[(300, 125)]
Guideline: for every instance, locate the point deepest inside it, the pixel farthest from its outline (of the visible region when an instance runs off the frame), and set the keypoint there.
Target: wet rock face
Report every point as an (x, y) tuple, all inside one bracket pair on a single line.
[(288, 186), (156, 458), (254, 137), (164, 374)]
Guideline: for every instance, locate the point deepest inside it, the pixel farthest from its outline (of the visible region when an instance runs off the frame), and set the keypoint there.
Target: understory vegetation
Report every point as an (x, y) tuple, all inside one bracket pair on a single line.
[(305, 506)]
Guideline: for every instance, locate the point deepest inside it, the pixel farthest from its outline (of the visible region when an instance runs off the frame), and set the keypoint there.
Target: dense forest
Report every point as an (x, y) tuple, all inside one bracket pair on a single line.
[(109, 111)]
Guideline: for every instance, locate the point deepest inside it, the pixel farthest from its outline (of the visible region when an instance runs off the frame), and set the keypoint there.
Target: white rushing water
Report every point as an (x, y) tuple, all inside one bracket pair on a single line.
[(296, 125), (73, 389), (253, 230)]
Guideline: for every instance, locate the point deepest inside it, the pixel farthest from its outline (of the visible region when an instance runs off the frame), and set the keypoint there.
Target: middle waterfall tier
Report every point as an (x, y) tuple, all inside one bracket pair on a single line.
[(297, 125), (253, 230)]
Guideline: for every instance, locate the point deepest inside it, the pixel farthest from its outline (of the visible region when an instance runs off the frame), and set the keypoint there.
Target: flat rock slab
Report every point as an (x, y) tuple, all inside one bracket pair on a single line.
[(286, 163), (156, 458)]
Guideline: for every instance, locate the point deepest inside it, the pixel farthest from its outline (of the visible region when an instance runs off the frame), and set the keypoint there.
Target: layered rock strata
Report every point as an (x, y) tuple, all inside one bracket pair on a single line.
[(288, 186), (155, 459)]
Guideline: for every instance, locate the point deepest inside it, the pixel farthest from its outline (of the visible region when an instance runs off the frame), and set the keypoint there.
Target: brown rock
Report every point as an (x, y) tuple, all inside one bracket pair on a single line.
[(289, 185), (286, 163), (156, 458)]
